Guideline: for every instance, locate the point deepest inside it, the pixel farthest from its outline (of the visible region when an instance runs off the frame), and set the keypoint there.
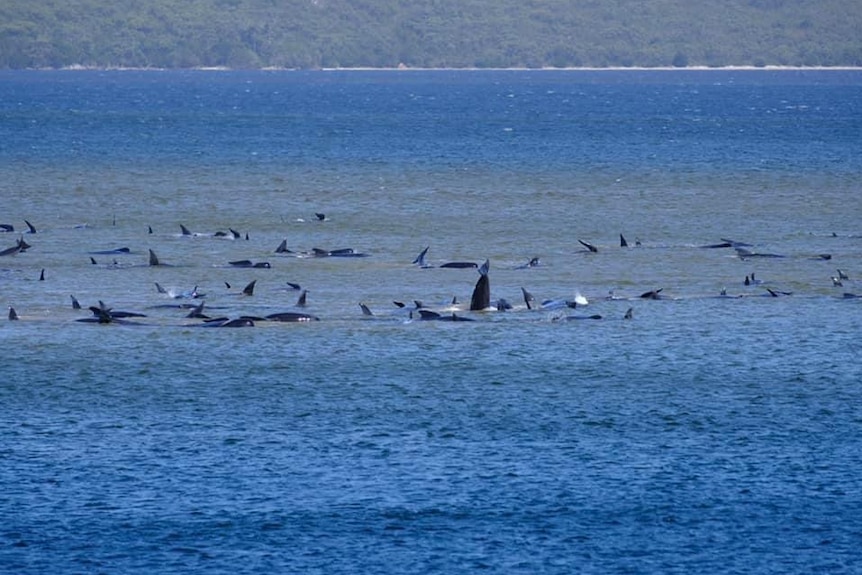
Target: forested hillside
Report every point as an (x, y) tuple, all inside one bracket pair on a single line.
[(429, 33)]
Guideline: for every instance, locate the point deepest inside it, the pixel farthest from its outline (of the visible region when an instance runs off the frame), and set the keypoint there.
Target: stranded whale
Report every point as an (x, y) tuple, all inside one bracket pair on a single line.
[(481, 298)]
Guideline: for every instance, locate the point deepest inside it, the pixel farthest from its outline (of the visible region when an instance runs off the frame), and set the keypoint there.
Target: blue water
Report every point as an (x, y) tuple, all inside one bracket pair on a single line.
[(705, 434)]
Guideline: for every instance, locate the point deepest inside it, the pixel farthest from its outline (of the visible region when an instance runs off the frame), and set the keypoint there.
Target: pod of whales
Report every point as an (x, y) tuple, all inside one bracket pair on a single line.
[(448, 311)]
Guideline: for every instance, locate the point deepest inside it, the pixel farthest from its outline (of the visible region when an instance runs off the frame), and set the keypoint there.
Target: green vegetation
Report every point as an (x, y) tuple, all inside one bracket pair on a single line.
[(428, 33)]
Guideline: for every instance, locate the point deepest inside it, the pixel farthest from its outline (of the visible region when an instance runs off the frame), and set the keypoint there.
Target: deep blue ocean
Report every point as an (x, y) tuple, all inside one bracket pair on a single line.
[(718, 429)]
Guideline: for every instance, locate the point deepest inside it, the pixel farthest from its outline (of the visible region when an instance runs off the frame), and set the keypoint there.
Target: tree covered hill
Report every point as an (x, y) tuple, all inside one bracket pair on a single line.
[(429, 33)]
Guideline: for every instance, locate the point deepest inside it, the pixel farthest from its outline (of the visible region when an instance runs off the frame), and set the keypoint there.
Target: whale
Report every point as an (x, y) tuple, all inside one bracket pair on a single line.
[(420, 259), (534, 262), (459, 265), (193, 293), (104, 315), (11, 251), (481, 298), (577, 317), (115, 251), (746, 253), (13, 315), (428, 315), (103, 309), (652, 294), (75, 303), (7, 228), (282, 248), (589, 246), (366, 311), (198, 311), (249, 264), (30, 228), (291, 316), (154, 259), (529, 300), (227, 322), (338, 253), (303, 298), (249, 289)]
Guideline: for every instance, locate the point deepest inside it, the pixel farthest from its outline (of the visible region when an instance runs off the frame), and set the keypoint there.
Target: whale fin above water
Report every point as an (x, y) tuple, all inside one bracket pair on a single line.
[(623, 242), (481, 298), (420, 259), (75, 303), (365, 309), (249, 289), (303, 298), (30, 228), (589, 246), (652, 294), (184, 230), (154, 259), (13, 315), (198, 311), (529, 300)]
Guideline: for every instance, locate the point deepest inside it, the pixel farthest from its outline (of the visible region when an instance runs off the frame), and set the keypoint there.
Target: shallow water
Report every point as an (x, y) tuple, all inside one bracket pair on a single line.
[(706, 434)]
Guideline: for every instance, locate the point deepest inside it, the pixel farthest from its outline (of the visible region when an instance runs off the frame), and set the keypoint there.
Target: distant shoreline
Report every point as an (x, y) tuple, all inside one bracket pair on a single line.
[(74, 68)]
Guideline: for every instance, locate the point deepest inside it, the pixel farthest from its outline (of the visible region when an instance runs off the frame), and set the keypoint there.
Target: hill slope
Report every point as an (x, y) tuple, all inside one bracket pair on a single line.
[(429, 33)]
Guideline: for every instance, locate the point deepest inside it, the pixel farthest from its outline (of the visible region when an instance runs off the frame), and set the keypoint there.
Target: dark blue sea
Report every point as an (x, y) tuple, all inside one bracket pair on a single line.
[(690, 402)]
